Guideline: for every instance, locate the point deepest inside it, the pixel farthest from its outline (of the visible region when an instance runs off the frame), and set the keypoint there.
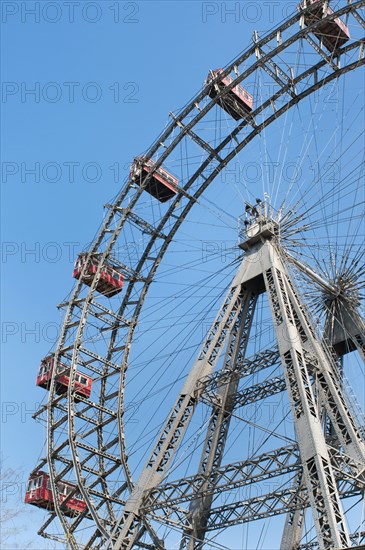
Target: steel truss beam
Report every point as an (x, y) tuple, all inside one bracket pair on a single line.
[(244, 367), (254, 470), (251, 394), (274, 503)]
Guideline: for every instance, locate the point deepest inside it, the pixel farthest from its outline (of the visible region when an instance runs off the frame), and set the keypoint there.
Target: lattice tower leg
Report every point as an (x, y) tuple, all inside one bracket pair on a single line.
[(294, 334), (218, 428)]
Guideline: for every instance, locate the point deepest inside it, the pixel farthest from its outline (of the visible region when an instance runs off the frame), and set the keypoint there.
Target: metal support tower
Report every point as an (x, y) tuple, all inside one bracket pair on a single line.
[(314, 388)]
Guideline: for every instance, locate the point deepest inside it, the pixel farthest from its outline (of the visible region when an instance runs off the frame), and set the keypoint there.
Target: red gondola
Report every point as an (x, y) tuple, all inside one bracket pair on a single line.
[(39, 493), (333, 34), (111, 280), (237, 102), (82, 386), (162, 185)]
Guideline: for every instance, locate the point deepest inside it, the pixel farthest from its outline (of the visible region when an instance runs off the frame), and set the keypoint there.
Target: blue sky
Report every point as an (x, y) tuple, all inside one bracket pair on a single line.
[(104, 77)]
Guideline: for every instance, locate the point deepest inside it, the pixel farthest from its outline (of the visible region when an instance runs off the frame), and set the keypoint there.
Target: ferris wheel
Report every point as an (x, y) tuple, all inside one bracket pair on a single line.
[(199, 394)]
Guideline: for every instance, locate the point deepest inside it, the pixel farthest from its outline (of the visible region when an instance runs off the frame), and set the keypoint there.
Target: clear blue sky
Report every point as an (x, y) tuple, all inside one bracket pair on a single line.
[(104, 77)]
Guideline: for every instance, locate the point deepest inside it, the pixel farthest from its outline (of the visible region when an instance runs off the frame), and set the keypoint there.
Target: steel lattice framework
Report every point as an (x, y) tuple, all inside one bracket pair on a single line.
[(325, 467)]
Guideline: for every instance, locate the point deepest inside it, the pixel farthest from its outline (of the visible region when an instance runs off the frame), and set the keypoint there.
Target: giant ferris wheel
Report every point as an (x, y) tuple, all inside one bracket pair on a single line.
[(200, 392)]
